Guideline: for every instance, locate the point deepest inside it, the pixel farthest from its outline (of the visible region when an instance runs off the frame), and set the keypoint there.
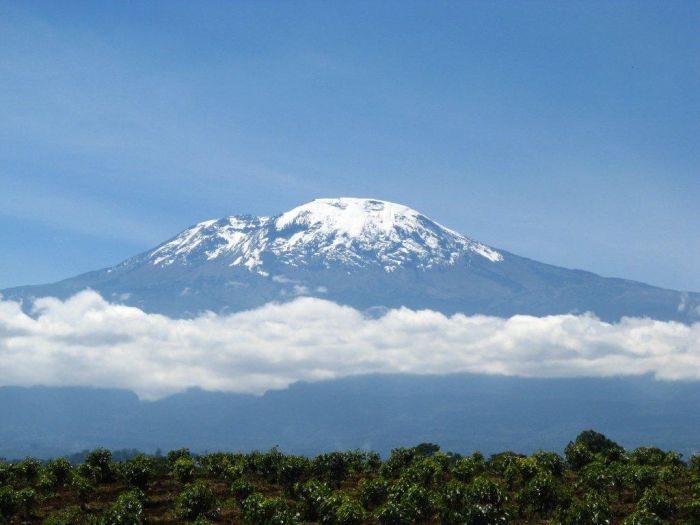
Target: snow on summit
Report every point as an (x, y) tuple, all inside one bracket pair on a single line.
[(350, 232)]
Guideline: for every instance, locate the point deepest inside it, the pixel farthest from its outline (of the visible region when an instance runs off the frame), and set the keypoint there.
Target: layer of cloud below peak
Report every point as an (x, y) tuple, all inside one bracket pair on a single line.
[(87, 341)]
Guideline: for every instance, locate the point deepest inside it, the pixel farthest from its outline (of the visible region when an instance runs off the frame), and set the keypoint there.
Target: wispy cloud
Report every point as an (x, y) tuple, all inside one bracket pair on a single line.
[(88, 341)]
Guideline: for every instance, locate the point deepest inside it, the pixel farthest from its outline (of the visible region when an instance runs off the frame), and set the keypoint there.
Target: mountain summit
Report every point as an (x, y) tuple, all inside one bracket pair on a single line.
[(355, 233), (361, 252)]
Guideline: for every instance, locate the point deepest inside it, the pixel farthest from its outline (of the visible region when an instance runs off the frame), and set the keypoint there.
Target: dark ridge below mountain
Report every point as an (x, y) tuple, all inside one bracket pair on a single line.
[(461, 412)]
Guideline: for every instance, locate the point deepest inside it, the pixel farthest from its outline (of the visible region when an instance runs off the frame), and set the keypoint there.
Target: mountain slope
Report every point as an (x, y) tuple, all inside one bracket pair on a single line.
[(361, 252)]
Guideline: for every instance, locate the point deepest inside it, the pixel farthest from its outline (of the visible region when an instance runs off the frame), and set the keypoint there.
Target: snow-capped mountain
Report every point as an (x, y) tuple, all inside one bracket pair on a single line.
[(362, 252), (355, 233)]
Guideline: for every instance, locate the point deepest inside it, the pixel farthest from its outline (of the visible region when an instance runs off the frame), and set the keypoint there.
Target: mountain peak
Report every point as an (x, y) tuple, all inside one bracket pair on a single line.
[(365, 253), (346, 231), (349, 215)]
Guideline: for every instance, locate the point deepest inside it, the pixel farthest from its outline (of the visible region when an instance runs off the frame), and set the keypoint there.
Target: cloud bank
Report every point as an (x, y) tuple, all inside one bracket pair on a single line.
[(87, 341)]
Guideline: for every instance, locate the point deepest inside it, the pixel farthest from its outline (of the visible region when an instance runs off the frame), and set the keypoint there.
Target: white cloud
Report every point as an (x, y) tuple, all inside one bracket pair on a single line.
[(88, 341)]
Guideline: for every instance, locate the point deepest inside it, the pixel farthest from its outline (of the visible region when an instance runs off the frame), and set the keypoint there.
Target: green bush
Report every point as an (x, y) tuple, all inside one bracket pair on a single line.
[(642, 517), (542, 495), (184, 469), (70, 516), (333, 467), (241, 489), (691, 509), (174, 455), (594, 510), (196, 500), (137, 472), (259, 510), (27, 470), (399, 459), (466, 469), (481, 502), (643, 477), (393, 513), (83, 488), (8, 502), (373, 492), (655, 503), (215, 464), (26, 501), (313, 495), (499, 463), (410, 499), (424, 471), (100, 463), (60, 469), (291, 470), (127, 510), (549, 462), (349, 512)]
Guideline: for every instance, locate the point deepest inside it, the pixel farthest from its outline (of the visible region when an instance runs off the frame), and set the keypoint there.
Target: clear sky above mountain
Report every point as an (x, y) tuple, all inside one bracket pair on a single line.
[(565, 132)]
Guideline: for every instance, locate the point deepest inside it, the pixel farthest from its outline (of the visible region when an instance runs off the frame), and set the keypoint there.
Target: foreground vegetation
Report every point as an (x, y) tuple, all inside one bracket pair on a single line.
[(596, 482)]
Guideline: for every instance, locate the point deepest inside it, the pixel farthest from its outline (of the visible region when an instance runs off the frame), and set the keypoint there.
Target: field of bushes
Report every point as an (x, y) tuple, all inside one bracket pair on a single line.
[(595, 482)]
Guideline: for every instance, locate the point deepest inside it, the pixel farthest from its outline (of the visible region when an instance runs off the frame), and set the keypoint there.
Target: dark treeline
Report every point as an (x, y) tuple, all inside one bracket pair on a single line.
[(595, 482)]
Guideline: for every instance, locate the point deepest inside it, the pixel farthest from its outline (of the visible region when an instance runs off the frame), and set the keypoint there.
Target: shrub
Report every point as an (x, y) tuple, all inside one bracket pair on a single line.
[(594, 510), (596, 442), (393, 513), (8, 502), (373, 492), (648, 456), (241, 489), (473, 504), (578, 455), (268, 464), (137, 471), (27, 470), (549, 462), (184, 469), (599, 477), (693, 464), (406, 503), (349, 512), (215, 464), (655, 503), (100, 463), (84, 489), (313, 495), (333, 467), (197, 500), (259, 510), (127, 510), (399, 459), (542, 494), (174, 455), (233, 472), (70, 516), (643, 477), (466, 469), (60, 469), (499, 463), (26, 500), (291, 470), (642, 518), (340, 509), (692, 510), (424, 471), (6, 474)]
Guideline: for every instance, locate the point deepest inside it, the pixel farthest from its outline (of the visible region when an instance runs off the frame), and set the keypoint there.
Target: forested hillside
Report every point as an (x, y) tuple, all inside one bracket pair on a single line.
[(595, 482)]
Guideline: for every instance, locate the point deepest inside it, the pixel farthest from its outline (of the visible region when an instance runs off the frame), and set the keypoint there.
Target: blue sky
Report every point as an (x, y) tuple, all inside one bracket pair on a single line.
[(568, 132)]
